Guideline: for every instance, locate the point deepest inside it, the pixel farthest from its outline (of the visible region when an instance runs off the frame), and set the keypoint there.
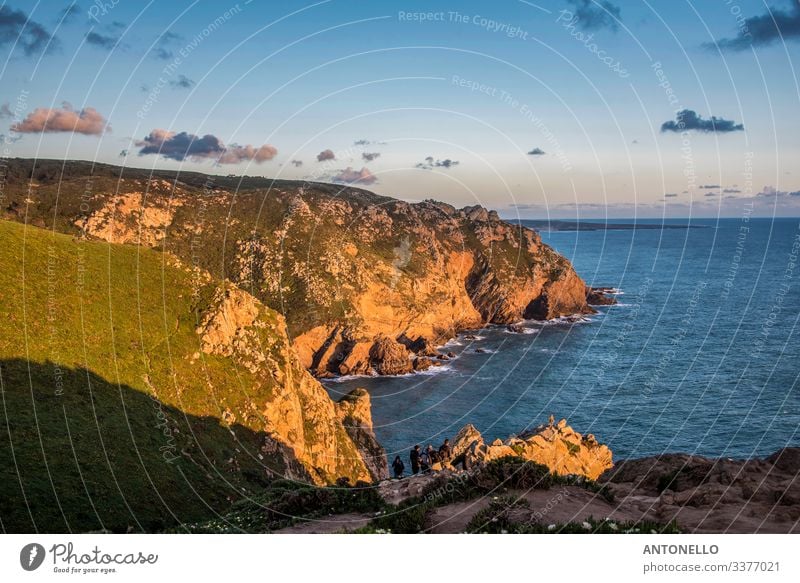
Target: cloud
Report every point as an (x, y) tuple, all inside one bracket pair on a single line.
[(351, 176), (370, 156), (326, 155), (297, 163), (182, 82), (183, 145), (123, 153), (687, 120), (773, 26), (731, 191), (772, 191), (361, 143), (5, 111), (163, 54), (711, 194), (16, 29), (430, 163), (670, 195), (706, 186), (87, 121), (68, 13), (166, 40), (593, 15), (537, 152), (101, 41)]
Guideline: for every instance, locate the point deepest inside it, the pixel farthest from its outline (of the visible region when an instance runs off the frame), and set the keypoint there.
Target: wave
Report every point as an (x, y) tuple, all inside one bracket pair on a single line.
[(427, 372)]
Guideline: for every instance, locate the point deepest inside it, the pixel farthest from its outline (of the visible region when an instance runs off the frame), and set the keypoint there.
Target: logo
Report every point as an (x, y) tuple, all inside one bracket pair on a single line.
[(31, 556)]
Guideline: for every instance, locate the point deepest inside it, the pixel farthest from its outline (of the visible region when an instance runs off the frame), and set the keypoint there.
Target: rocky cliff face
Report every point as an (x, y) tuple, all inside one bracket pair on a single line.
[(313, 438), (557, 446), (349, 270)]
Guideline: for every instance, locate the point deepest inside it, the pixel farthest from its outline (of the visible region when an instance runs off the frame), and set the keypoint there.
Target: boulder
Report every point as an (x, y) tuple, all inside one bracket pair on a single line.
[(389, 357), (357, 360)]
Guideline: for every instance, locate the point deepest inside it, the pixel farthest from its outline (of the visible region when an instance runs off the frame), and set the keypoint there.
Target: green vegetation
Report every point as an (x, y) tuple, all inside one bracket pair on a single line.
[(285, 503), (108, 422)]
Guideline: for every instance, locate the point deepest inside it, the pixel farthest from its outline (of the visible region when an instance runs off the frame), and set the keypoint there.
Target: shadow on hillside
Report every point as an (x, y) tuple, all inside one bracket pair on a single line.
[(80, 453)]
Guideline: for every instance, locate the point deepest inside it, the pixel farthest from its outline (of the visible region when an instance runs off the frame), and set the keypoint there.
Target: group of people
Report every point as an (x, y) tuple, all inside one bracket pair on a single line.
[(423, 460)]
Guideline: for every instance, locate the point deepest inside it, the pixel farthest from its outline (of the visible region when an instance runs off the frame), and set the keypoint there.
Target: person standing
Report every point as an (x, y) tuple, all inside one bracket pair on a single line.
[(398, 466), (445, 452), (415, 460)]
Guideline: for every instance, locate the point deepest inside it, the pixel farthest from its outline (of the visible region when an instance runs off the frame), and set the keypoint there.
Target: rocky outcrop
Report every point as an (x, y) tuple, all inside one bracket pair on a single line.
[(389, 357), (557, 446), (355, 412), (311, 438), (600, 296), (712, 494)]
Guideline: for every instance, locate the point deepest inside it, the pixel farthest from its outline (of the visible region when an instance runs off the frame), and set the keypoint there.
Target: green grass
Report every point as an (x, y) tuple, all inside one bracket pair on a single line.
[(108, 422)]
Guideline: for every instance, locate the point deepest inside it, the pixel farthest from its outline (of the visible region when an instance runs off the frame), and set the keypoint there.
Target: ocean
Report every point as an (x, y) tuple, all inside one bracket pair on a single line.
[(701, 354)]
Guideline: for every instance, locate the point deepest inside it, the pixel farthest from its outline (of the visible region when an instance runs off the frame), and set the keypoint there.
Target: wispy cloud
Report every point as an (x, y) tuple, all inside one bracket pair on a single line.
[(688, 120), (430, 163), (68, 13), (774, 26), (772, 191), (297, 163), (17, 29), (182, 82), (102, 41), (536, 152), (163, 49), (595, 15), (87, 121), (370, 156)]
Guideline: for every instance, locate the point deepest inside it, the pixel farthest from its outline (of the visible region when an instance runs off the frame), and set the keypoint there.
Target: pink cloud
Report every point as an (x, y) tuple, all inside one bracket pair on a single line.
[(326, 155), (351, 176), (235, 153), (87, 121)]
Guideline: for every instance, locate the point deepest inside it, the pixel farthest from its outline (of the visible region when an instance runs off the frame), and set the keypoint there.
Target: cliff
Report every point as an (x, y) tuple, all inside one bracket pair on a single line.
[(175, 393), (366, 283)]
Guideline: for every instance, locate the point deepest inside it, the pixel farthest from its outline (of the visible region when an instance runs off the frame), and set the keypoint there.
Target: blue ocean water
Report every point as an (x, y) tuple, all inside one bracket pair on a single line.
[(701, 354)]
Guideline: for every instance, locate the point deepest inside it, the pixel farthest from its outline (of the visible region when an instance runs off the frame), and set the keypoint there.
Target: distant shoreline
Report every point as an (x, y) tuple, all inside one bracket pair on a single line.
[(563, 225)]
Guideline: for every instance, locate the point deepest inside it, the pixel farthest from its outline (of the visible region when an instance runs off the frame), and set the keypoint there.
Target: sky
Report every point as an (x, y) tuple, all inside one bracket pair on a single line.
[(557, 108)]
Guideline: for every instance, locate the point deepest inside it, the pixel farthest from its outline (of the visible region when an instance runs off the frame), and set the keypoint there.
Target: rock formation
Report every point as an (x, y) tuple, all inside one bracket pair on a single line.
[(313, 438), (556, 446), (355, 412), (712, 495), (348, 269)]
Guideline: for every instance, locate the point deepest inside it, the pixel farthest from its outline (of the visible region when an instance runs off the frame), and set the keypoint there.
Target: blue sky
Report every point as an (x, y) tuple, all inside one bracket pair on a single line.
[(452, 96)]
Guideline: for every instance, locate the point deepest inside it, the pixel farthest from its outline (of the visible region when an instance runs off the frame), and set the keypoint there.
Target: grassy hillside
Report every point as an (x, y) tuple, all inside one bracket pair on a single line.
[(111, 417)]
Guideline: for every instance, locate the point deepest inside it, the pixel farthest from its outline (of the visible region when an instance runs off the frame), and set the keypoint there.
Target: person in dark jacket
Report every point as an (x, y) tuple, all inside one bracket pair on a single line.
[(398, 466), (425, 460), (445, 452), (415, 460)]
